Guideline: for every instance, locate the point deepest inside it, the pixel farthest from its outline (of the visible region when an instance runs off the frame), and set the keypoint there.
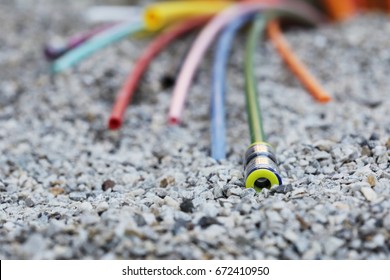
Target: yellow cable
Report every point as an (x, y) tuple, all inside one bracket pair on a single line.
[(159, 15)]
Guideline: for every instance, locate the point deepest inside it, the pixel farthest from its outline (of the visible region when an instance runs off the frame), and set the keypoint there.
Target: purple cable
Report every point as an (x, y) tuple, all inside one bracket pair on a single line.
[(52, 53)]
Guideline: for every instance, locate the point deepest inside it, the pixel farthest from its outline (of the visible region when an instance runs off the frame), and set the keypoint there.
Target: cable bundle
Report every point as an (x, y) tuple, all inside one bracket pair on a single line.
[(222, 19)]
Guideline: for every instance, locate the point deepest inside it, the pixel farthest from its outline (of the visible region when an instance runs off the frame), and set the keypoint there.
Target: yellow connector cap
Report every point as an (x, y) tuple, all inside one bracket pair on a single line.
[(159, 15)]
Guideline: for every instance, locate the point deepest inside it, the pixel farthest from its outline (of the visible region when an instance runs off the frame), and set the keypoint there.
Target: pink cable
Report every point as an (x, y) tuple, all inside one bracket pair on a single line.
[(208, 33)]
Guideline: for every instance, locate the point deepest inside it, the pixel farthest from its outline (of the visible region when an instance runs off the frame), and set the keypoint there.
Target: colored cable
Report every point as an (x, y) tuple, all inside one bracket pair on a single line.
[(340, 10), (126, 93), (252, 104), (208, 34), (261, 170), (218, 123), (296, 66), (96, 43), (52, 53), (159, 15)]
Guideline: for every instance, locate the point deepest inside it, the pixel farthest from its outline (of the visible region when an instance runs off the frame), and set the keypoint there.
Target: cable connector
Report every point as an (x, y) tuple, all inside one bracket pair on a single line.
[(261, 170)]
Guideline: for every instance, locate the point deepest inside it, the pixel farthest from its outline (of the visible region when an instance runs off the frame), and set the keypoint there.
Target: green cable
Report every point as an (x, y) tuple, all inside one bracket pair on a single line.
[(261, 168), (252, 103)]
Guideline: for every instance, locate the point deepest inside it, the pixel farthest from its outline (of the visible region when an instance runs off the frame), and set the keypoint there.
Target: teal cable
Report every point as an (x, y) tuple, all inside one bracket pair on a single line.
[(252, 103), (98, 42)]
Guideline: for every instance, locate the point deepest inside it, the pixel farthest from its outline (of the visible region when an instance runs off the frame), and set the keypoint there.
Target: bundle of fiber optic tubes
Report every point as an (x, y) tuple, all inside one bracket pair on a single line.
[(217, 21)]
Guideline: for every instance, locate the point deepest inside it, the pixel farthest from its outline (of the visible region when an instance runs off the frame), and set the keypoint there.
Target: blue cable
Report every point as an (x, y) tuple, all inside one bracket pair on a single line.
[(98, 42), (218, 123)]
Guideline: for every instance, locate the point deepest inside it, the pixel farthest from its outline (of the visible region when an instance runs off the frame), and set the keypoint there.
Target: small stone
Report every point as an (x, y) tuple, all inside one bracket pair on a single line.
[(248, 192), (187, 206), (311, 169), (234, 191), (130, 178), (290, 236), (313, 252), (245, 208), (102, 207), (388, 143), (209, 209), (303, 163), (234, 173), (2, 187), (281, 189), (77, 196), (29, 202), (349, 153), (379, 240), (302, 244), (108, 184), (302, 222), (374, 242), (279, 205), (366, 151), (386, 222), (299, 192), (161, 193), (89, 219), (86, 207), (324, 145), (322, 155), (137, 192), (274, 217), (56, 190), (360, 185), (171, 202), (56, 183), (369, 193), (341, 206), (169, 180), (371, 179), (35, 245), (212, 233), (139, 219), (180, 223), (205, 222), (332, 245), (218, 192), (374, 136)]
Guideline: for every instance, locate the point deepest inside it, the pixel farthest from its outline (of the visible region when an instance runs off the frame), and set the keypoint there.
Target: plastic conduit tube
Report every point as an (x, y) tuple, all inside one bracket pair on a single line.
[(158, 15), (340, 10), (126, 93), (207, 35), (96, 43), (218, 123), (261, 170), (255, 120), (52, 53), (296, 66)]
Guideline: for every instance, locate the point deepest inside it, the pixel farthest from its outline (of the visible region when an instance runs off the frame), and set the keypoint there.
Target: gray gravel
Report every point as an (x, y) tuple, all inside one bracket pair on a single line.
[(71, 189)]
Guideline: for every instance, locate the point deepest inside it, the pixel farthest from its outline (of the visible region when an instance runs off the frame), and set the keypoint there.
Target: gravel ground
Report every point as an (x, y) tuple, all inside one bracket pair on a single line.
[(70, 189)]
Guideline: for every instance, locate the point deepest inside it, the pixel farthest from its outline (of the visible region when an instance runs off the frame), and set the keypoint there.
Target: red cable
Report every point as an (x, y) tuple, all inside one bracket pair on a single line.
[(127, 91)]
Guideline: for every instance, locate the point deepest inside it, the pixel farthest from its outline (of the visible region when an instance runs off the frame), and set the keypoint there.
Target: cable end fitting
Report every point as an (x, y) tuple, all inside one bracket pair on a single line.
[(52, 53), (261, 170), (114, 123)]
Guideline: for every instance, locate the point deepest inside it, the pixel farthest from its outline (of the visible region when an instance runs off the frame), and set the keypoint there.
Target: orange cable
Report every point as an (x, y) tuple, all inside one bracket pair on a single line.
[(296, 66), (343, 9)]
